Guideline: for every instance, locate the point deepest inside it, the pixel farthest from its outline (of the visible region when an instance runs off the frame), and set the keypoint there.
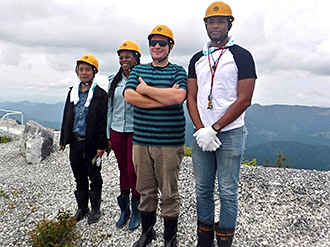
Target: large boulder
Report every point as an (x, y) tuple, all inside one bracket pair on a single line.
[(36, 142)]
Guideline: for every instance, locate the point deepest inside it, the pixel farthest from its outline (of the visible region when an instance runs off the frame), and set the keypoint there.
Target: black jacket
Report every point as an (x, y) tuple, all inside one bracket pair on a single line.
[(96, 121)]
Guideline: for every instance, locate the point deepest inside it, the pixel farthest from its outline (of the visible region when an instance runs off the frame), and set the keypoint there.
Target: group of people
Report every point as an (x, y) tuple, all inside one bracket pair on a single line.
[(141, 118)]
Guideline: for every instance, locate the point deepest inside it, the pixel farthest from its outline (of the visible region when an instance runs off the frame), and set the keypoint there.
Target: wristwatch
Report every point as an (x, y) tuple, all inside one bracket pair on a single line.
[(216, 127)]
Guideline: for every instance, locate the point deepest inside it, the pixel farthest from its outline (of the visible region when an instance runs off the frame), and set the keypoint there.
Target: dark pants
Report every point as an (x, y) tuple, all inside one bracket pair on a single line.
[(82, 167)]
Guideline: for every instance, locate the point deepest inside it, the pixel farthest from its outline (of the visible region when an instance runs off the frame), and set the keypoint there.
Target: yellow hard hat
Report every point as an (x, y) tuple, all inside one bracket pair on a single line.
[(90, 59), (219, 9), (129, 45), (162, 30)]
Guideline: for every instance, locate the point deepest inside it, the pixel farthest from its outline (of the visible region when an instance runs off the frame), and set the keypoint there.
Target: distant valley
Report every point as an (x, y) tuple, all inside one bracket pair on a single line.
[(48, 115), (301, 133)]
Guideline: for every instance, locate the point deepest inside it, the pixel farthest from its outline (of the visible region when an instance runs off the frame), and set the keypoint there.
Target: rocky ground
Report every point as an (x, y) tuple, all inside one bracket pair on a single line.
[(277, 207)]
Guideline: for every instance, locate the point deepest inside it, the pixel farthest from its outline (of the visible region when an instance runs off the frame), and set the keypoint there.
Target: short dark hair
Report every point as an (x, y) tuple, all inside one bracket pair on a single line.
[(229, 19), (80, 62)]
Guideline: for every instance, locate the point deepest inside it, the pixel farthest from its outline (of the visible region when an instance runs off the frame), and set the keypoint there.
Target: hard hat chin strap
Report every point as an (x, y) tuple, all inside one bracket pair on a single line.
[(88, 83), (159, 61)]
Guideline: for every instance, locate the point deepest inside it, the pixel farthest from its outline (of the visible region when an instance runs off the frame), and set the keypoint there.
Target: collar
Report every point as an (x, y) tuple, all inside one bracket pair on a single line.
[(209, 49)]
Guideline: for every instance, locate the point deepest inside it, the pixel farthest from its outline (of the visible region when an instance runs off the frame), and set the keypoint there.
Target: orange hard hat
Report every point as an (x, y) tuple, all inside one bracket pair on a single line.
[(162, 30), (129, 45), (91, 60), (219, 8)]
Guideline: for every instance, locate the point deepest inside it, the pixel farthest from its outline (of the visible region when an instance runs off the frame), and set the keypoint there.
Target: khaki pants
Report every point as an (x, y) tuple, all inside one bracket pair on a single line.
[(158, 167)]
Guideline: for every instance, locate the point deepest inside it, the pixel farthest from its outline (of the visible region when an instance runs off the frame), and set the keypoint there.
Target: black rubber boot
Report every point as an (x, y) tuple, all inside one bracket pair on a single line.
[(125, 213), (95, 198), (224, 235), (170, 230), (136, 216), (148, 221), (205, 233), (82, 201)]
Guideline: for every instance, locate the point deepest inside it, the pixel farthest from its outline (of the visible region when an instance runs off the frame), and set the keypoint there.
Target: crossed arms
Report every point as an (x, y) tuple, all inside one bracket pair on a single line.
[(149, 97)]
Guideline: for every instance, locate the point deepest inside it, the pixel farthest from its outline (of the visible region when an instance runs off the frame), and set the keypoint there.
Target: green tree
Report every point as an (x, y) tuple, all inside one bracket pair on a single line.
[(281, 160), (280, 163), (249, 163)]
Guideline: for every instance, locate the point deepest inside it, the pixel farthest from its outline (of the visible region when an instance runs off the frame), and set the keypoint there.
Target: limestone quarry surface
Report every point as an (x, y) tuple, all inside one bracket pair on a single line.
[(277, 206)]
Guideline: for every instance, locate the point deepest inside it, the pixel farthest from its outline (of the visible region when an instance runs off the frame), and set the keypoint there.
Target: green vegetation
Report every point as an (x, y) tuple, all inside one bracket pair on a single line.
[(5, 139), (249, 163), (59, 232), (280, 163), (187, 151), (300, 132), (3, 194)]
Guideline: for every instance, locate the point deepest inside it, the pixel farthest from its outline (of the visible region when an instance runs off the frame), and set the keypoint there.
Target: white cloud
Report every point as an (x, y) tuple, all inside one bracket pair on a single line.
[(40, 42)]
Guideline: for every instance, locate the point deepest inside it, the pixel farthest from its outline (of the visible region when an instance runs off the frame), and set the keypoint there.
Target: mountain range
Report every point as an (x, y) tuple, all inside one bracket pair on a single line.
[(48, 115), (300, 133)]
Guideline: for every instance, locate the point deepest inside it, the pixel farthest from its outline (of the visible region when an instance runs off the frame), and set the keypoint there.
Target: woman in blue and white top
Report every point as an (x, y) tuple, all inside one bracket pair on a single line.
[(120, 133)]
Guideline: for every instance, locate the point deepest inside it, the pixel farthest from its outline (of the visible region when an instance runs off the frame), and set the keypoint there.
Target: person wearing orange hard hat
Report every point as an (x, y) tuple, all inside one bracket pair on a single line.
[(166, 32), (157, 91), (84, 129), (221, 79), (120, 134)]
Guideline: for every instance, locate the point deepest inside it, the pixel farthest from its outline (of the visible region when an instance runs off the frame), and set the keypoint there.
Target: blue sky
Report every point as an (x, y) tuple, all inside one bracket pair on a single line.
[(40, 42)]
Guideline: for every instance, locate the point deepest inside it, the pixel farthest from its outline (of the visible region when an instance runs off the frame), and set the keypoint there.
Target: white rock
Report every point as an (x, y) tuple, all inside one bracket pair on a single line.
[(36, 142)]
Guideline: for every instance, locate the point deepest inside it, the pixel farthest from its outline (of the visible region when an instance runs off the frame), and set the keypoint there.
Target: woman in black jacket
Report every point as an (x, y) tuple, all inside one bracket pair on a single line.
[(84, 128)]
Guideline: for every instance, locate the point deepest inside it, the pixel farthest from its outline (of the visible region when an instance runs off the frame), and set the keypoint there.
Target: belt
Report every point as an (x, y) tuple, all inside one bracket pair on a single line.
[(79, 138)]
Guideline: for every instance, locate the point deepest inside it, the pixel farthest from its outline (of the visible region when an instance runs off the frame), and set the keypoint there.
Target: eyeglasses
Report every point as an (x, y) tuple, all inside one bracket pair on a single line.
[(161, 43)]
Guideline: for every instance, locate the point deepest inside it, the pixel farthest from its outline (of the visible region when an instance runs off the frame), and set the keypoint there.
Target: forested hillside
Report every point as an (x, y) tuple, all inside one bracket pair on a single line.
[(300, 133)]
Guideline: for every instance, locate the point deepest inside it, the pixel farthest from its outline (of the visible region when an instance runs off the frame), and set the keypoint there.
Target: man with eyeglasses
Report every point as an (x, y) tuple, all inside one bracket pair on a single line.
[(157, 91), (221, 81)]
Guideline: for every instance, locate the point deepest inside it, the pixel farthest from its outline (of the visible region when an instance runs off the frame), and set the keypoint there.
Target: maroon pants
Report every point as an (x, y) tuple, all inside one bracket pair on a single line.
[(122, 146)]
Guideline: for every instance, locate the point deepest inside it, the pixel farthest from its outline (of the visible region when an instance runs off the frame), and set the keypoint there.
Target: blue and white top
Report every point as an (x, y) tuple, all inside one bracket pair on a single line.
[(80, 113), (120, 114)]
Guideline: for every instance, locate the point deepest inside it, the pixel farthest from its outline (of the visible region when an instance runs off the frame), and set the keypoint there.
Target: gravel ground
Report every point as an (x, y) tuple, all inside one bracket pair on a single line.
[(277, 207)]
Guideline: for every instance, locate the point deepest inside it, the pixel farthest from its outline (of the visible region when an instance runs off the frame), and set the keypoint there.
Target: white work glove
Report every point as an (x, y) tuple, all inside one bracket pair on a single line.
[(207, 139)]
